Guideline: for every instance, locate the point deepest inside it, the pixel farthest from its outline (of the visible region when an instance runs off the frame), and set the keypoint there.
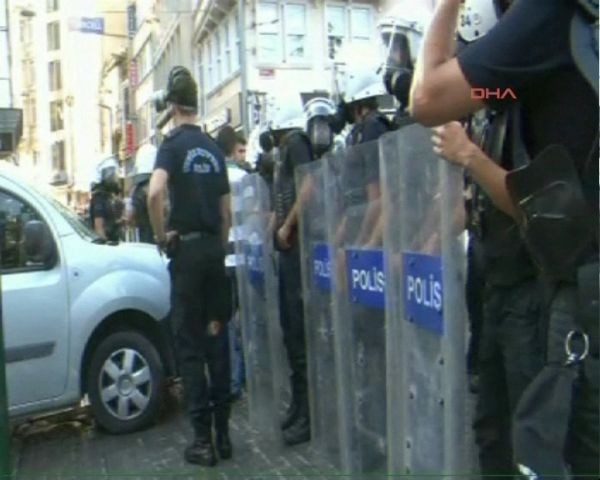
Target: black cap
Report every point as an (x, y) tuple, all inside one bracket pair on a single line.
[(181, 88)]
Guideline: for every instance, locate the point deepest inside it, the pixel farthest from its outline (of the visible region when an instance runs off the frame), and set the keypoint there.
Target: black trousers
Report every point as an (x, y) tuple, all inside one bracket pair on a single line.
[(475, 287), (200, 293), (583, 438), (291, 308), (511, 354)]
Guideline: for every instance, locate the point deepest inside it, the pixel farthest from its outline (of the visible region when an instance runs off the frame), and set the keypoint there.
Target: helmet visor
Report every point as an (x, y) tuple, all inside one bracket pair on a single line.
[(397, 48)]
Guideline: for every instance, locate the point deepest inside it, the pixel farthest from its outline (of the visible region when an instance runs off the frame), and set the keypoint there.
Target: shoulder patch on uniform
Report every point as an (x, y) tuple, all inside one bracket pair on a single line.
[(200, 160)]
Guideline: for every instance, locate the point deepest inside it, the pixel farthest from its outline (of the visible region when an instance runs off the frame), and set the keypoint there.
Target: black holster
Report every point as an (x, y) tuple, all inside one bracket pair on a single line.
[(556, 222)]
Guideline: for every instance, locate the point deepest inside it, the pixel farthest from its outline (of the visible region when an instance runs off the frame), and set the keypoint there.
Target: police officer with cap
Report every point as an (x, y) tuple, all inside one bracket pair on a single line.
[(104, 187), (293, 149), (195, 239)]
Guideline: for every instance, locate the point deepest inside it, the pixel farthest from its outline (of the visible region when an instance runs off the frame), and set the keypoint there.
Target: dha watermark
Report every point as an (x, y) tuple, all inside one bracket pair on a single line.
[(488, 93)]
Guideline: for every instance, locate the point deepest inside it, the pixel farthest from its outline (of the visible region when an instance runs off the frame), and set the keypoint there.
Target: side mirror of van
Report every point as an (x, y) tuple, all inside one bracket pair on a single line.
[(38, 243)]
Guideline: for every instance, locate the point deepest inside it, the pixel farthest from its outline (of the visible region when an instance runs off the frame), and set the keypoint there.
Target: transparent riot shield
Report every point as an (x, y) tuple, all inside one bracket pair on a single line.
[(312, 181), (425, 314), (259, 313), (354, 209)]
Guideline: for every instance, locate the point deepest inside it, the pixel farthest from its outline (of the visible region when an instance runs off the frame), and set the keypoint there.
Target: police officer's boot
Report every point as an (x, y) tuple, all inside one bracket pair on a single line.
[(224, 447), (202, 451), (291, 414), (299, 430)]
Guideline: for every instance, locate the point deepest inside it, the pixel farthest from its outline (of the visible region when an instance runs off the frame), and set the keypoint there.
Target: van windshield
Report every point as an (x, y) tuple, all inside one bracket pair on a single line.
[(75, 221)]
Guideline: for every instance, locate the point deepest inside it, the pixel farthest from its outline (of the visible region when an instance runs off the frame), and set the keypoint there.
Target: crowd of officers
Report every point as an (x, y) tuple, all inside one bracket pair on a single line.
[(530, 158)]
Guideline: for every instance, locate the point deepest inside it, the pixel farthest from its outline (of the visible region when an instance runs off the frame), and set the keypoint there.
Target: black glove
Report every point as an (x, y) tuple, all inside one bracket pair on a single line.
[(341, 117), (397, 82)]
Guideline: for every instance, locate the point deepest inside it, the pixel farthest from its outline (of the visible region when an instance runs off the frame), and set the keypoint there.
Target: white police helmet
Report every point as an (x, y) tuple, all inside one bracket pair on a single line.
[(363, 81), (476, 18), (318, 128), (145, 159), (319, 107), (403, 28), (285, 111), (106, 171)]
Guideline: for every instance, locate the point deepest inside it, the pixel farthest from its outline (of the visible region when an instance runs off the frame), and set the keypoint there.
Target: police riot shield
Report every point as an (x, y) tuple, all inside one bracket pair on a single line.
[(257, 288), (354, 209), (312, 182), (425, 314)]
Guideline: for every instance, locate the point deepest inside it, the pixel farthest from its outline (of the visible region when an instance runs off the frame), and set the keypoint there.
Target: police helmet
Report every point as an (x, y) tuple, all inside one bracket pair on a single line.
[(144, 162), (478, 17), (318, 111), (106, 173), (402, 32), (363, 81)]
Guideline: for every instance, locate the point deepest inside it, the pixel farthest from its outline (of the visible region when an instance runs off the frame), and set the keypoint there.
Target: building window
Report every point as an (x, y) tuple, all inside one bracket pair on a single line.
[(144, 60), (220, 53), (28, 74), (25, 30), (226, 49), (235, 42), (295, 31), (52, 5), (56, 115), (282, 33), (269, 33), (54, 75), (53, 36), (348, 23), (58, 156)]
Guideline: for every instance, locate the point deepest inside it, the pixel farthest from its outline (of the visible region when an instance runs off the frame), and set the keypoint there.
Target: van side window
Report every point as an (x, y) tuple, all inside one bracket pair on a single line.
[(14, 214)]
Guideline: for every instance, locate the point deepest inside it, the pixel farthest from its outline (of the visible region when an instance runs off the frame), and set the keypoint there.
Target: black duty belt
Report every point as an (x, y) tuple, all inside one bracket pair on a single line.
[(196, 236)]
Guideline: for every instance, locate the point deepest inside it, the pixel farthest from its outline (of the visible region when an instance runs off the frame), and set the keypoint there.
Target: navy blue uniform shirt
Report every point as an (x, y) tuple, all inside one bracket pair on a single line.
[(197, 180), (528, 51)]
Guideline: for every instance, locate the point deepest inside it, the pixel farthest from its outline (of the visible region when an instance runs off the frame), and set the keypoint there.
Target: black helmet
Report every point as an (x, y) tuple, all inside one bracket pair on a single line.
[(181, 88)]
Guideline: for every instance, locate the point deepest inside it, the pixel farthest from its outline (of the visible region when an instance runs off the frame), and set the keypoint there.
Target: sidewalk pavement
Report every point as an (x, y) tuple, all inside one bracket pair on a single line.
[(69, 447)]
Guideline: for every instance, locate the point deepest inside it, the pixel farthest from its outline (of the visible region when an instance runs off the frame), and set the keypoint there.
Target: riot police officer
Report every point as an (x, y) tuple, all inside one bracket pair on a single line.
[(293, 149), (194, 168), (401, 33), (556, 136), (105, 185), (138, 214)]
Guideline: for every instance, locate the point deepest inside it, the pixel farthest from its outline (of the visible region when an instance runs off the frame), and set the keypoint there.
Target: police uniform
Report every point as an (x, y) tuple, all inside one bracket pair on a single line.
[(558, 107), (294, 151), (139, 198), (101, 206), (200, 290), (511, 349)]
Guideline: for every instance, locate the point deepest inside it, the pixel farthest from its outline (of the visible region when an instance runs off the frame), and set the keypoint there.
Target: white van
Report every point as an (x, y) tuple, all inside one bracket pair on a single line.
[(80, 317)]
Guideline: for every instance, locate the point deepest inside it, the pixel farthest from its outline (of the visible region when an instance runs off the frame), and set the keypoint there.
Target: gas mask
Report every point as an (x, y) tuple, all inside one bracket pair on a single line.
[(320, 135), (110, 179), (398, 73)]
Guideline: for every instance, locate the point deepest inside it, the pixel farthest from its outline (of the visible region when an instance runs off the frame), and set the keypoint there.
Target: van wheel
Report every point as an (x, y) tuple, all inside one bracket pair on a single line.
[(126, 382)]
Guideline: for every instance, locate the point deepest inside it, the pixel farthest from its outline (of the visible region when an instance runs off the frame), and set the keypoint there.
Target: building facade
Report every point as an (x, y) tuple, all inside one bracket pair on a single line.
[(57, 60), (246, 48), (10, 118)]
